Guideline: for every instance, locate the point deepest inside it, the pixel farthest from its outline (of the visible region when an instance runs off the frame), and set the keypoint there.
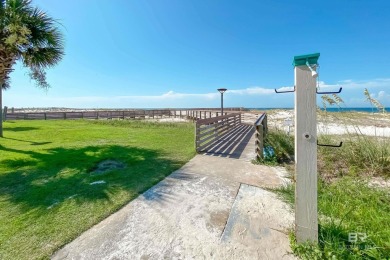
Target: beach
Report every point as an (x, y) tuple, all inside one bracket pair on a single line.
[(337, 123)]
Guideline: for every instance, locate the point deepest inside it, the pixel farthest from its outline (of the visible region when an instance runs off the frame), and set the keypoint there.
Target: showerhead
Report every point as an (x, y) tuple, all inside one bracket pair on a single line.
[(314, 74)]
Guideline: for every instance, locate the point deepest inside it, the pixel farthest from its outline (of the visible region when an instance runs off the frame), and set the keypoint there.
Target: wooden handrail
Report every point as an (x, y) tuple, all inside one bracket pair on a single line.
[(211, 129), (261, 133), (194, 114)]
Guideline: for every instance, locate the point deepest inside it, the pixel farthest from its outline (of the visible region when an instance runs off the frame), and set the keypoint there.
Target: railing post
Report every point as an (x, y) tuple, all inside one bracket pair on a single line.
[(261, 143), (196, 136), (261, 133)]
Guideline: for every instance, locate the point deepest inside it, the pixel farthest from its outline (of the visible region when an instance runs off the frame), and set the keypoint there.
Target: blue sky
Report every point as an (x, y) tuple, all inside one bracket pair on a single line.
[(176, 53)]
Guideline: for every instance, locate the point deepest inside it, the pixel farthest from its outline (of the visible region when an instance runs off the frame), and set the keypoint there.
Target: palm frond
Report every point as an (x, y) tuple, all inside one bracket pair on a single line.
[(42, 57), (7, 82), (44, 30), (39, 76), (29, 34)]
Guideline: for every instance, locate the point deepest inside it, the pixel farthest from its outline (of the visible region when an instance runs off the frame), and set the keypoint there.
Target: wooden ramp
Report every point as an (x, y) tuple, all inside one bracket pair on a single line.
[(227, 136), (236, 143)]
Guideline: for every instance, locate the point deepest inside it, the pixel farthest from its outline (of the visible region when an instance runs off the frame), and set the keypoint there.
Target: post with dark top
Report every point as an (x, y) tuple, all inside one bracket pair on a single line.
[(222, 90), (306, 219)]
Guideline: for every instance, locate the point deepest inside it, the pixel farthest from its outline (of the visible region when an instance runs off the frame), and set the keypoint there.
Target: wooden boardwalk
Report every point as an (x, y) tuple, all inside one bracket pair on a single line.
[(195, 114), (230, 135), (234, 143)]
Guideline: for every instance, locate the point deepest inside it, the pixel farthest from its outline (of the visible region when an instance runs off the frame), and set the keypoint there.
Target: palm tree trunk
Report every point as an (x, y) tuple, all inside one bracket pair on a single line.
[(1, 108)]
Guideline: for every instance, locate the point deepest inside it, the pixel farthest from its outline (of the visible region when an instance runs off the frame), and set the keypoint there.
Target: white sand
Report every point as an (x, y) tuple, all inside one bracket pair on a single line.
[(171, 119), (338, 129), (276, 119)]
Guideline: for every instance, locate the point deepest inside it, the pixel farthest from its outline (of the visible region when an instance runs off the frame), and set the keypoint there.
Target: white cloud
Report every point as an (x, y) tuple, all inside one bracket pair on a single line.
[(252, 91), (248, 97), (168, 99), (381, 94), (350, 84), (170, 95), (353, 91)]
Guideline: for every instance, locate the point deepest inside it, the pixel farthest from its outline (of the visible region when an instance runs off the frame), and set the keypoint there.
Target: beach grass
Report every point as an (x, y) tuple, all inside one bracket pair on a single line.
[(354, 221), (350, 208), (359, 156), (47, 167)]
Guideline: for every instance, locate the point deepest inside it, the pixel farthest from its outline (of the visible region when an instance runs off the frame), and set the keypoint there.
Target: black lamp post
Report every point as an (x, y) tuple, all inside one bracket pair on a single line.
[(222, 90)]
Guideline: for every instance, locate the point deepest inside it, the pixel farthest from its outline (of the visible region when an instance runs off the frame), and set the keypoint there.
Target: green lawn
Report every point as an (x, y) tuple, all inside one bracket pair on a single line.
[(46, 199)]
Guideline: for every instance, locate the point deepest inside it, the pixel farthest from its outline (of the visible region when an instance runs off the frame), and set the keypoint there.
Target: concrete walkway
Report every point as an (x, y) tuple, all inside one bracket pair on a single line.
[(214, 207)]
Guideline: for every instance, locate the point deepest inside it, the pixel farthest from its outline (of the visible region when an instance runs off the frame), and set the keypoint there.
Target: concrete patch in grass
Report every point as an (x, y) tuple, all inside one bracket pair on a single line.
[(107, 166), (97, 182)]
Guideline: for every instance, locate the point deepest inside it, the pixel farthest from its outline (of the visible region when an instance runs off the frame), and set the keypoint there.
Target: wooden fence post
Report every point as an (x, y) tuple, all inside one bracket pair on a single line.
[(306, 219), (260, 140), (197, 131)]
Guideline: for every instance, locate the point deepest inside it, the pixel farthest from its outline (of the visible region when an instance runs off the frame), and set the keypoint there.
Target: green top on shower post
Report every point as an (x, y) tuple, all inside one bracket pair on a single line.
[(301, 60)]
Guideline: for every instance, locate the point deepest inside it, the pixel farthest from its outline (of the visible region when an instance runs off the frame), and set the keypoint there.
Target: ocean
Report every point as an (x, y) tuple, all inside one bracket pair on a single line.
[(336, 109)]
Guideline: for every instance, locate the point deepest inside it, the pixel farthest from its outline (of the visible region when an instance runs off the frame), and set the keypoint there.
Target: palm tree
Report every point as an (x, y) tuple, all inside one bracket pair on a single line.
[(29, 35)]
